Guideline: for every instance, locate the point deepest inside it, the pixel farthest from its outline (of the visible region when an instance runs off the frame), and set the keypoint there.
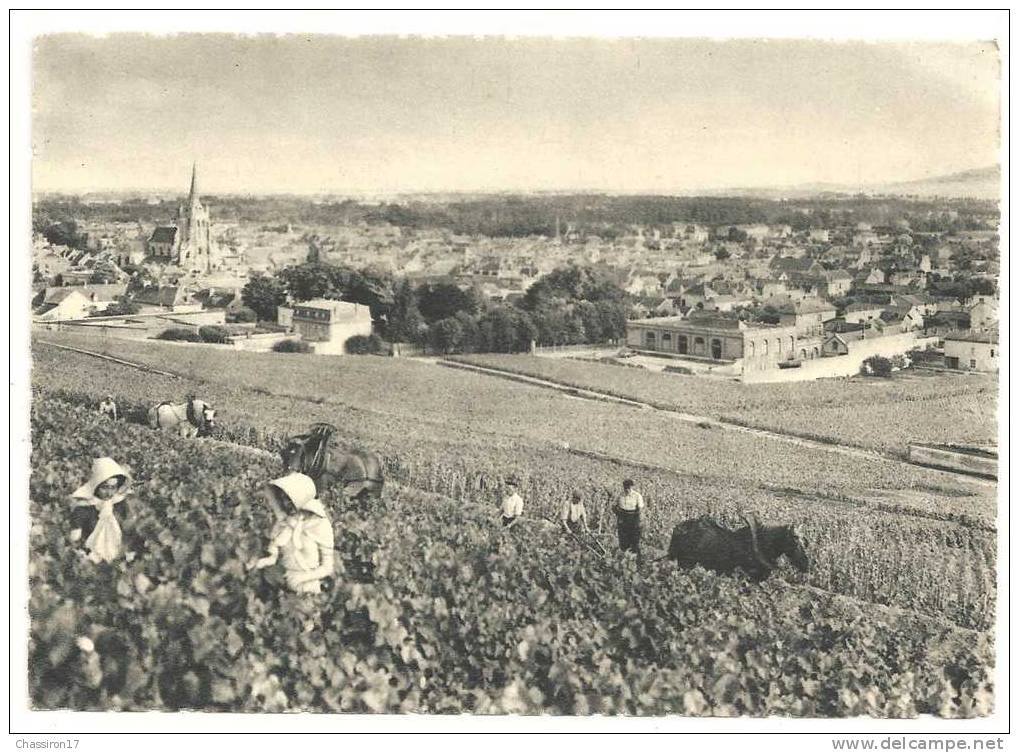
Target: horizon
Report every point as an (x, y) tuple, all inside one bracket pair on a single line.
[(324, 115), (812, 189)]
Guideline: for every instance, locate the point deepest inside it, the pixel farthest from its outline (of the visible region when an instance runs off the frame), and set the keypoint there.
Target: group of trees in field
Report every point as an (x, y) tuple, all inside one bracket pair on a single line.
[(570, 305), (961, 286), (206, 334), (58, 229), (303, 282), (567, 306)]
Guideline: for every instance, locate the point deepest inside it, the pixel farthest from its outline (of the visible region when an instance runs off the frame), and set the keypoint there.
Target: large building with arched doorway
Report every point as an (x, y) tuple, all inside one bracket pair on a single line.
[(755, 346)]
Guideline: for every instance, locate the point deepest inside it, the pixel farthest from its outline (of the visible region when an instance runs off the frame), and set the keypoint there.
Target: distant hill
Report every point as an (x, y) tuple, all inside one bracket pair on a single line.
[(980, 183)]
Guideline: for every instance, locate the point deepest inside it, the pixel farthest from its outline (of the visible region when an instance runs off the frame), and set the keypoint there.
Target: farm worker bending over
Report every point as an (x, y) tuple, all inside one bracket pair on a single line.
[(574, 514), (108, 408), (512, 504), (303, 534), (92, 513), (628, 509)]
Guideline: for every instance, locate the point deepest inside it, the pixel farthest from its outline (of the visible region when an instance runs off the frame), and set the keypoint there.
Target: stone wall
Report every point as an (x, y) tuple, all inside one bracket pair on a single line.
[(261, 342), (846, 365)]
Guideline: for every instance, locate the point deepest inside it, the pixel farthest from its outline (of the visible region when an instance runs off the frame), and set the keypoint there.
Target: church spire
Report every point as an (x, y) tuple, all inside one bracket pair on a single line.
[(194, 184)]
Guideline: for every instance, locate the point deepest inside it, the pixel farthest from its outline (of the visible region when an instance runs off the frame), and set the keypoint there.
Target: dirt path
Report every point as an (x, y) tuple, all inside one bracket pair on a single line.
[(105, 357), (709, 422)]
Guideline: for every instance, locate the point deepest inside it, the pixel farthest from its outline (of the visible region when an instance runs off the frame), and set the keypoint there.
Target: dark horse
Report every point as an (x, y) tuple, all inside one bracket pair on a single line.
[(754, 549), (358, 472)]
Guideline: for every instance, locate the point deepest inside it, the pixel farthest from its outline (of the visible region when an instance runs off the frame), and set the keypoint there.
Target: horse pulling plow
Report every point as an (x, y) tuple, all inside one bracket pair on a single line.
[(358, 473), (190, 419)]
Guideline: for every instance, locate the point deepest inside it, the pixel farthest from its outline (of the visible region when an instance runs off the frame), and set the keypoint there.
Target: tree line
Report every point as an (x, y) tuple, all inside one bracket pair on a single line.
[(568, 306), (530, 215)]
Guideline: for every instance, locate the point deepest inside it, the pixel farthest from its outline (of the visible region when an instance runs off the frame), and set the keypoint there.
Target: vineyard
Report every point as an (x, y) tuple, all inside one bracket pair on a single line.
[(394, 399), (933, 551), (436, 609), (874, 414)]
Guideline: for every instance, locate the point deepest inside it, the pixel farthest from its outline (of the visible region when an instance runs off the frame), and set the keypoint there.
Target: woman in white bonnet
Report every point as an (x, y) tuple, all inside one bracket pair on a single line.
[(302, 535), (92, 512)]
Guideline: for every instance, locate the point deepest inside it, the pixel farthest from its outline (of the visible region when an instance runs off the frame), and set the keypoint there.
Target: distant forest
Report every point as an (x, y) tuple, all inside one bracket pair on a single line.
[(520, 216)]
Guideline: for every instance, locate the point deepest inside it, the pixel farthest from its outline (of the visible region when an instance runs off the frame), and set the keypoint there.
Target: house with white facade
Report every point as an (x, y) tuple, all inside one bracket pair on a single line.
[(983, 312), (972, 351), (76, 301), (328, 324)]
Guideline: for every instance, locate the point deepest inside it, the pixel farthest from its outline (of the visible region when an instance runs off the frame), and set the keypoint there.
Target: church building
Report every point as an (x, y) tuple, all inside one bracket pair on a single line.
[(189, 243)]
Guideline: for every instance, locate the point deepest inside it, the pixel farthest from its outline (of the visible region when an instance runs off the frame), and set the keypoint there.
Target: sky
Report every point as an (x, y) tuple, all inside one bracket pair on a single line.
[(326, 114)]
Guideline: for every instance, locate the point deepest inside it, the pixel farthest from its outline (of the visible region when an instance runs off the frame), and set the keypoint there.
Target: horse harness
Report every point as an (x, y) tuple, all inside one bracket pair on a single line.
[(756, 548), (196, 415), (318, 464), (189, 409)]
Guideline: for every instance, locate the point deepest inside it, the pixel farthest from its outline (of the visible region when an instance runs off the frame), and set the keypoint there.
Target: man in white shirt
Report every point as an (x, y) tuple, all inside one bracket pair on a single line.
[(574, 514), (512, 505), (108, 408), (628, 509)]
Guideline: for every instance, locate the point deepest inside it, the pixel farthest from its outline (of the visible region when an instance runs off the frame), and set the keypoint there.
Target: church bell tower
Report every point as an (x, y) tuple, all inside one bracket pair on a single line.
[(193, 231)]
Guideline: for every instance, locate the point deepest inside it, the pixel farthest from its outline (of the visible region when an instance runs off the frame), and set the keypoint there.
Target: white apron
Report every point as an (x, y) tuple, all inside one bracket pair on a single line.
[(104, 542), (299, 538)]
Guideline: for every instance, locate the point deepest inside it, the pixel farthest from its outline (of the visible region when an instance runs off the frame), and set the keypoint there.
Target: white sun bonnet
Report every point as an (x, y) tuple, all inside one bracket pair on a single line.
[(300, 489), (103, 469)]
